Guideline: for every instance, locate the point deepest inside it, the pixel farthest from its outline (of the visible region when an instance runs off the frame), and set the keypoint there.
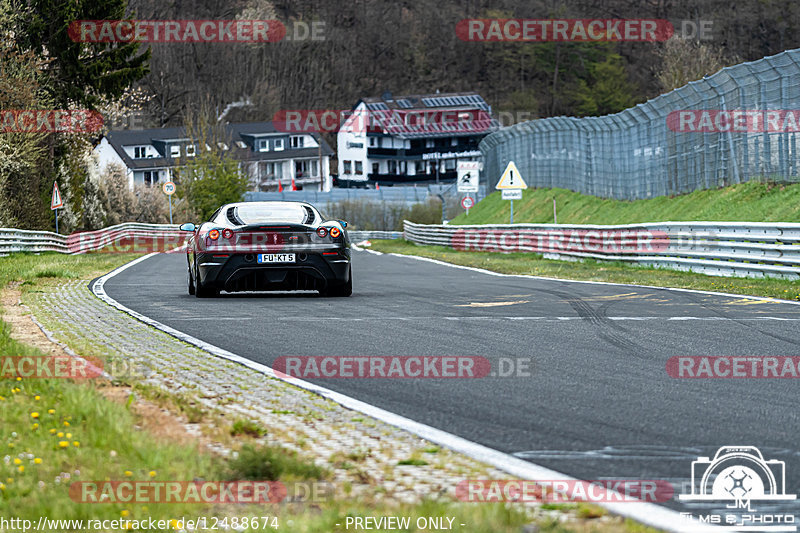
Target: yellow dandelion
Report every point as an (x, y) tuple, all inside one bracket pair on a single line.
[(51, 411), (10, 480), (17, 461), (37, 398), (63, 444), (21, 468), (34, 415), (37, 460), (2, 399), (10, 444), (52, 431), (2, 487), (125, 513), (128, 525), (66, 424), (69, 435), (19, 379), (60, 434), (35, 426), (128, 473), (76, 444), (152, 473)]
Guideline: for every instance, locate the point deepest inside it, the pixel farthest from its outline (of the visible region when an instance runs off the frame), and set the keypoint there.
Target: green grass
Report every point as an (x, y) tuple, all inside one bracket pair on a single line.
[(590, 270), (747, 202)]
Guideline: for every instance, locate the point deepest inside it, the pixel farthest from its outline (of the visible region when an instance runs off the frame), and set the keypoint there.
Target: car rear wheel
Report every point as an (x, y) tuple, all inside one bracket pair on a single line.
[(191, 280), (200, 290), (345, 289)]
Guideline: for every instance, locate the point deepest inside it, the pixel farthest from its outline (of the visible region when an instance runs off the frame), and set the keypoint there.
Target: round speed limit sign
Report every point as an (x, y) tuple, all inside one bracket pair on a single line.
[(467, 202), (169, 188)]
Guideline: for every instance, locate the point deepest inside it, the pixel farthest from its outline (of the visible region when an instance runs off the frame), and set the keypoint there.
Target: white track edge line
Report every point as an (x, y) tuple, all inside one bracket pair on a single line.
[(526, 276), (646, 513)]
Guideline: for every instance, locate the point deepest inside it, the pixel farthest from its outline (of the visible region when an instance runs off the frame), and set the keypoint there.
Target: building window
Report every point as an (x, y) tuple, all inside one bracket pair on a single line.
[(139, 152), (150, 177), (392, 167), (453, 141), (189, 150), (175, 150), (376, 168), (419, 167), (263, 145), (428, 143), (359, 167), (449, 164), (372, 142), (296, 141), (315, 168), (348, 167)]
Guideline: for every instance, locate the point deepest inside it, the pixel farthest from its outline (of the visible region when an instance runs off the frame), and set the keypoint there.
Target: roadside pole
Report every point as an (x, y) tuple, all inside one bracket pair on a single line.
[(169, 190), (56, 202), (511, 185)]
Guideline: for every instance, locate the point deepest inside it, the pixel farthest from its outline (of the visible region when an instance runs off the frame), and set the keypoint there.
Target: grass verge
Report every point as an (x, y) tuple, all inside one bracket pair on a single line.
[(747, 202), (590, 270)]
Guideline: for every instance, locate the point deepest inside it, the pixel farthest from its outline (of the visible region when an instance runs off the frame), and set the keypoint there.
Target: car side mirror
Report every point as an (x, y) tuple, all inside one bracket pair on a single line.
[(343, 223), (187, 227)]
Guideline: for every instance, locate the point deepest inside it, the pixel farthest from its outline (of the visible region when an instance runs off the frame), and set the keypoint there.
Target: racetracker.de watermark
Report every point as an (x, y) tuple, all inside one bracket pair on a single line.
[(560, 30), (50, 121), (391, 120), (177, 31), (50, 367), (554, 241), (735, 120), (564, 490), (399, 367), (734, 367)]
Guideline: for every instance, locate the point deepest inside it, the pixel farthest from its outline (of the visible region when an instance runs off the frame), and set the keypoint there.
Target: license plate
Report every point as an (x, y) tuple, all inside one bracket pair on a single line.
[(276, 258)]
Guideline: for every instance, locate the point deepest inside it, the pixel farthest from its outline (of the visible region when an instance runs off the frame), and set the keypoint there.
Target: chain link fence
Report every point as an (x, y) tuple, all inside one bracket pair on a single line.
[(653, 150)]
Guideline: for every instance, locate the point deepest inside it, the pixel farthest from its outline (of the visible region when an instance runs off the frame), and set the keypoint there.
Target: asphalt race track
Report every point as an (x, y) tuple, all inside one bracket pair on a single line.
[(598, 402)]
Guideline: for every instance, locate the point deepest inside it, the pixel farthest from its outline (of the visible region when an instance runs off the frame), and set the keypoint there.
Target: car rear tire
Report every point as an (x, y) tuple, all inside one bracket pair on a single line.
[(201, 291), (191, 280), (343, 290)]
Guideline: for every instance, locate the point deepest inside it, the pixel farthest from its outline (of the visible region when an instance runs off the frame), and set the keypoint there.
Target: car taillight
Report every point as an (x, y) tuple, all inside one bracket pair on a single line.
[(227, 233), (335, 232), (213, 234), (322, 232)]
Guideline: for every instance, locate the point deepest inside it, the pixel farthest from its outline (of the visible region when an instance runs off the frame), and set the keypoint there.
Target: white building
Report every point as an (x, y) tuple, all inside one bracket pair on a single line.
[(267, 155), (411, 139)]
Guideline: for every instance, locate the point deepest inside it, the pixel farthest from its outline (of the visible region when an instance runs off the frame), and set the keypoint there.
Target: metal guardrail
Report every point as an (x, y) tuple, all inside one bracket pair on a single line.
[(130, 236), (357, 235), (716, 248)]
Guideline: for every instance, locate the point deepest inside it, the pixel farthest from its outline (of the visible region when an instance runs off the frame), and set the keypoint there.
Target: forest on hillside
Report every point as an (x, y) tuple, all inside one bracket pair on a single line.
[(373, 46)]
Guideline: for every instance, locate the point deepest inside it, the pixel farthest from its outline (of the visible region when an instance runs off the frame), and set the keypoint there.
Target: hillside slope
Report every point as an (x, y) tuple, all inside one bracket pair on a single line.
[(751, 202)]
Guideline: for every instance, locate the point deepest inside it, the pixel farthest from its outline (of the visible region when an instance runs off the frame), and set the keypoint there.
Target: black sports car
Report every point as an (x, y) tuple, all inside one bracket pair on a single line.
[(269, 246)]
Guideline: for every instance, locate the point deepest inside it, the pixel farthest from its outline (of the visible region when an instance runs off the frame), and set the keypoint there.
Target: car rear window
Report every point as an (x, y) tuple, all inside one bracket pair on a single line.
[(258, 213)]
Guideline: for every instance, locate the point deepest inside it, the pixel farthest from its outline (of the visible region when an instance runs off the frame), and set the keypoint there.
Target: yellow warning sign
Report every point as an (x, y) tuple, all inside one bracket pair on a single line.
[(511, 179)]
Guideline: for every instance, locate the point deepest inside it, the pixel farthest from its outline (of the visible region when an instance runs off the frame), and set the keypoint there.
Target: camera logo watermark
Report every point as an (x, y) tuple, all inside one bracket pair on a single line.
[(737, 120), (50, 121), (564, 490), (737, 476)]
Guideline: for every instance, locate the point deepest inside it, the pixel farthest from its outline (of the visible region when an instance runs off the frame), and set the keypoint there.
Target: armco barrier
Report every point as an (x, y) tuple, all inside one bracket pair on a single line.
[(130, 236), (716, 248)]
